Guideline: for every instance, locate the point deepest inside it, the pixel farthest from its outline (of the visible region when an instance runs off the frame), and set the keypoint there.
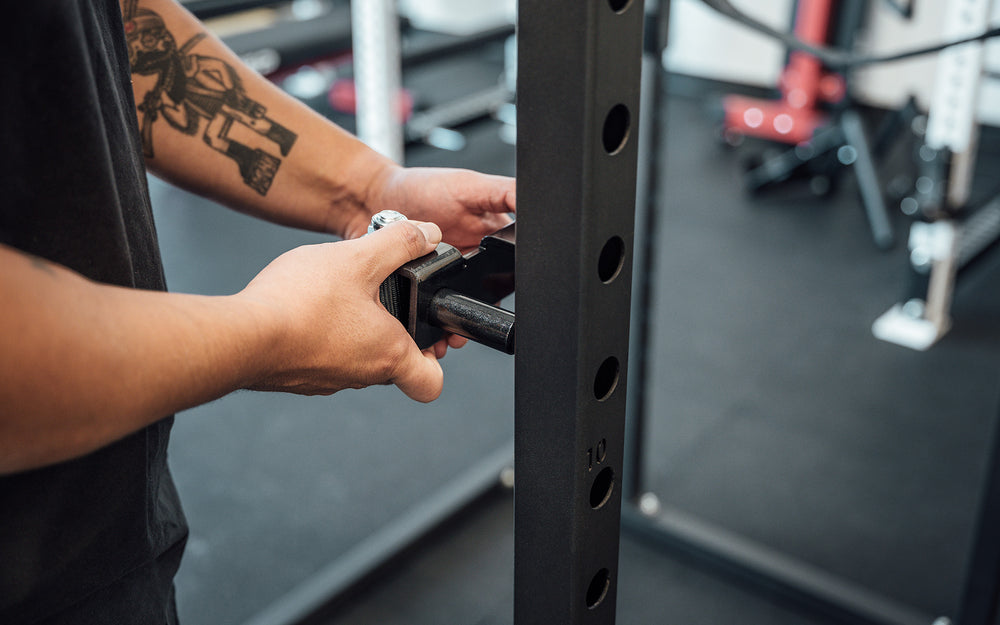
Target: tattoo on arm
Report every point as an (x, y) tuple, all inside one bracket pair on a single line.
[(42, 265), (201, 94), (37, 262)]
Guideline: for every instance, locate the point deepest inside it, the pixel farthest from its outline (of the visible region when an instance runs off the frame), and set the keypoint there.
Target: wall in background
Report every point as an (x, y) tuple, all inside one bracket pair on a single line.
[(704, 43)]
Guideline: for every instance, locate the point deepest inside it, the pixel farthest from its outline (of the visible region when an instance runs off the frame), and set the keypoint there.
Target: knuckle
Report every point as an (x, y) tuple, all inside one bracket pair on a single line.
[(371, 268), (412, 238), (397, 356), (368, 265), (392, 361)]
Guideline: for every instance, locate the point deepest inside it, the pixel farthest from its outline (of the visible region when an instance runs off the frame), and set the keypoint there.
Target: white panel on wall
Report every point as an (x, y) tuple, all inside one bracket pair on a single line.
[(706, 44), (989, 99), (891, 84)]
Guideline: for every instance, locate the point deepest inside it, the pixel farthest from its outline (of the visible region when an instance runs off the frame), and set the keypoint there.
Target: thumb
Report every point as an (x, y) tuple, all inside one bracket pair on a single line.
[(421, 378), (398, 243)]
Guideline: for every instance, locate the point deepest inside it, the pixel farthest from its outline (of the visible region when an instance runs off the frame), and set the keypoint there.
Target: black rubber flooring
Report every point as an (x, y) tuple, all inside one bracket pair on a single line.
[(773, 413), (467, 577)]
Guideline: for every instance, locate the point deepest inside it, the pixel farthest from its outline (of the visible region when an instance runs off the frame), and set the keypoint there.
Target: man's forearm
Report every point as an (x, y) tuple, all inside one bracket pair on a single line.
[(85, 364), (213, 126)]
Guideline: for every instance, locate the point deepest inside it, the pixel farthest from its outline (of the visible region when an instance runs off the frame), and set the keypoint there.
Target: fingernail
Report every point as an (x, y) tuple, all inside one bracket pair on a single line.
[(431, 231)]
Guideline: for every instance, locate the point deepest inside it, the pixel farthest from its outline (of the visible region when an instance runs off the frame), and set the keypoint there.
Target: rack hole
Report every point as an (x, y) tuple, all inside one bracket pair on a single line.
[(606, 379), (619, 6), (601, 489), (610, 261), (598, 588), (616, 128)]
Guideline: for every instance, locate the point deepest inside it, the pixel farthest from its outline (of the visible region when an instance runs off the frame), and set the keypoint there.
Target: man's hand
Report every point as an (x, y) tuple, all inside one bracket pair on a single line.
[(466, 205), (336, 333), (86, 364)]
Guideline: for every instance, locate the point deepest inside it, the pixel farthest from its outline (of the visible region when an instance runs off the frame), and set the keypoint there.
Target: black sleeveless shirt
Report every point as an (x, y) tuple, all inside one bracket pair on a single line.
[(96, 539)]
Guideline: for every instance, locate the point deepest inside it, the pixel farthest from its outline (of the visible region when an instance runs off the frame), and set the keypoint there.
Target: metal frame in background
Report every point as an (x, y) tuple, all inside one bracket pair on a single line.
[(579, 68), (377, 75), (752, 564), (948, 234)]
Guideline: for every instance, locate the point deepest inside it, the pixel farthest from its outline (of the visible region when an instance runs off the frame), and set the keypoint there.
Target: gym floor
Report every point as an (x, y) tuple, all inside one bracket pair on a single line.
[(772, 411)]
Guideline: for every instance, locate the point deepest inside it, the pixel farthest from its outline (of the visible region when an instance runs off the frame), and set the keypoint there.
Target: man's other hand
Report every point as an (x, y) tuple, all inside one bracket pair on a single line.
[(334, 331)]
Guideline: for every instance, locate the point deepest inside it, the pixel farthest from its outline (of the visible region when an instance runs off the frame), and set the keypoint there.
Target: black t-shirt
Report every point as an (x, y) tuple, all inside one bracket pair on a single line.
[(99, 538)]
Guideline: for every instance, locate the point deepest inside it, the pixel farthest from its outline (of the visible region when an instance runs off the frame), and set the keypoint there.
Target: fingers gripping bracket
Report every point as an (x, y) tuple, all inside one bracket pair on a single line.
[(448, 291)]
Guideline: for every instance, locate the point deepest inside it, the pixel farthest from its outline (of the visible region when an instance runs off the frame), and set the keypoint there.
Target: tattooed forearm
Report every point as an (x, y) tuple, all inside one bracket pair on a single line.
[(203, 95)]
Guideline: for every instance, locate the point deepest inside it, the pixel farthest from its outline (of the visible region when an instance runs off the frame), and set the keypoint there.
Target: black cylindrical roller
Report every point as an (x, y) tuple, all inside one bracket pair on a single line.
[(475, 320)]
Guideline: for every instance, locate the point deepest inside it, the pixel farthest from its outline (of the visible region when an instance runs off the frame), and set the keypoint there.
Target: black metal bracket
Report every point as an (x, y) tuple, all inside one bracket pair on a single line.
[(447, 291)]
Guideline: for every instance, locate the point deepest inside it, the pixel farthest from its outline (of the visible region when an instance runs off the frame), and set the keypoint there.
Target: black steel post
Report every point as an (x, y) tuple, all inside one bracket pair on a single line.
[(578, 100), (647, 215)]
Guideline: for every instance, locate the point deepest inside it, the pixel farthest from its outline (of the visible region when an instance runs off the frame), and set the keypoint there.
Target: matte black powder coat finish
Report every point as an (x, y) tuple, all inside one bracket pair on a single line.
[(578, 99)]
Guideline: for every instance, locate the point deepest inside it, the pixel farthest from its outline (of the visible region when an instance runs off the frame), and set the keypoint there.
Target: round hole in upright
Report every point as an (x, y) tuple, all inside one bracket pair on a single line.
[(609, 263), (606, 379), (598, 588), (619, 6), (600, 490), (616, 128)]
